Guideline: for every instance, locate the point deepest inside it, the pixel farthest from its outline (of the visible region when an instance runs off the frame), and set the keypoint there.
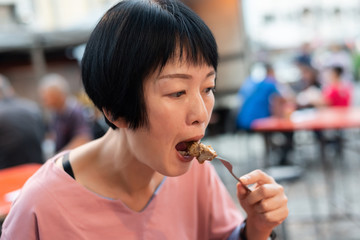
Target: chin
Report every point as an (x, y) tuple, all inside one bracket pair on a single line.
[(175, 171)]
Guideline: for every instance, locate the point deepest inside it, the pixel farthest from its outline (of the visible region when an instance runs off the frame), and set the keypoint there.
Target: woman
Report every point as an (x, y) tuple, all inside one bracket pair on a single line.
[(150, 67)]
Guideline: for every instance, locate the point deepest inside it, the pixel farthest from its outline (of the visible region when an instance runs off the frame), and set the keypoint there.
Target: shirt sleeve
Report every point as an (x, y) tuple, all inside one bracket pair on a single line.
[(21, 221), (235, 235)]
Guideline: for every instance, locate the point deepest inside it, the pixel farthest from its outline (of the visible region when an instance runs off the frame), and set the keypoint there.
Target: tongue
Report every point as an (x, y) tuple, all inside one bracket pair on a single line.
[(182, 146)]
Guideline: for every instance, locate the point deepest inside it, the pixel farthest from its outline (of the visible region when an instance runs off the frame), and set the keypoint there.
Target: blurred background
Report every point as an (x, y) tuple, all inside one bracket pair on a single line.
[(305, 42)]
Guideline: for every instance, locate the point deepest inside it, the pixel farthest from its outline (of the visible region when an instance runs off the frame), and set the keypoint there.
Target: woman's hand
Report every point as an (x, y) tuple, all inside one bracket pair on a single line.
[(266, 205)]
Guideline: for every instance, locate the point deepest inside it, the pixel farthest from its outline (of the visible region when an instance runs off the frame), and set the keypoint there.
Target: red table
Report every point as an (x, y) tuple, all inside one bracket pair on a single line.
[(313, 119), (12, 179)]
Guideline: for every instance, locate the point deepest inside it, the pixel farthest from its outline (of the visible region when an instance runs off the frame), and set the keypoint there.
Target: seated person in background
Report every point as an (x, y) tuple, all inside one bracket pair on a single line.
[(336, 92), (307, 89), (99, 126), (96, 118), (68, 125), (261, 99), (21, 128), (150, 68)]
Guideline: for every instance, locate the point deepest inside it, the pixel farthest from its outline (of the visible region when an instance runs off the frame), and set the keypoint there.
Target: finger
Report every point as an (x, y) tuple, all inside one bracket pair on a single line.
[(242, 192), (256, 176), (275, 217), (271, 204), (264, 192)]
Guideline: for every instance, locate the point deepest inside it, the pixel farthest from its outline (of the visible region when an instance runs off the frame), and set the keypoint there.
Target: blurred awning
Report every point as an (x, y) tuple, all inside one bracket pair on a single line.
[(37, 43), (26, 40)]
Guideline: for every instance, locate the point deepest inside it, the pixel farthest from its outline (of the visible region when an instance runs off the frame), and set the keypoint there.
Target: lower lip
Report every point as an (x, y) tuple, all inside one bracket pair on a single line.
[(184, 158)]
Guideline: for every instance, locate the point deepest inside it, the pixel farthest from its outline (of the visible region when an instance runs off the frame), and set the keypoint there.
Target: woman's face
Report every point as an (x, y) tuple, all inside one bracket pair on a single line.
[(179, 102)]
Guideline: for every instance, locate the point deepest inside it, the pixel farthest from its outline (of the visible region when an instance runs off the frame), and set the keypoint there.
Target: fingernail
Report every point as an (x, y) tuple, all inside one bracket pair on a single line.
[(245, 178)]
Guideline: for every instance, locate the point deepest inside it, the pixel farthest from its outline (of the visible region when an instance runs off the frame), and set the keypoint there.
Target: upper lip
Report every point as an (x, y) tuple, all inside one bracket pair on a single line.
[(194, 139)]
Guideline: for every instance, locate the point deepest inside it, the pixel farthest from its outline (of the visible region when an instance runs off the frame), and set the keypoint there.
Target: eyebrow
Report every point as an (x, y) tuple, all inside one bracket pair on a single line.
[(183, 75)]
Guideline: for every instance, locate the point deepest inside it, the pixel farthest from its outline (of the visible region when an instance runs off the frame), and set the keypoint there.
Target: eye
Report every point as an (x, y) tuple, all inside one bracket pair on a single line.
[(177, 94), (210, 89)]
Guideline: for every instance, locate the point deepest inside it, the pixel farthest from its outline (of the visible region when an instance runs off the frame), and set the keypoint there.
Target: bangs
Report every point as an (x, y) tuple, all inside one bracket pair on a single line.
[(177, 33)]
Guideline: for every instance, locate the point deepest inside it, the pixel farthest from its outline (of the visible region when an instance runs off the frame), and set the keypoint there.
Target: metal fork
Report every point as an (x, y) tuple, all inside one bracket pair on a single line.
[(229, 167)]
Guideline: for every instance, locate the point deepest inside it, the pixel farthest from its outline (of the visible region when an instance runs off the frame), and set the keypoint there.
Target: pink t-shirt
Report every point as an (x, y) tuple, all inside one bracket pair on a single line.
[(337, 95), (52, 205)]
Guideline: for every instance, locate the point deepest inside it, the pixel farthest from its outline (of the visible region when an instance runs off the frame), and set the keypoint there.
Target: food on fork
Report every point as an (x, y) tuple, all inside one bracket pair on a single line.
[(201, 151)]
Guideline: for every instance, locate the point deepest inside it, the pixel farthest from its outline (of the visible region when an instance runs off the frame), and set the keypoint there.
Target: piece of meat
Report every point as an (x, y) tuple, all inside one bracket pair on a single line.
[(201, 151)]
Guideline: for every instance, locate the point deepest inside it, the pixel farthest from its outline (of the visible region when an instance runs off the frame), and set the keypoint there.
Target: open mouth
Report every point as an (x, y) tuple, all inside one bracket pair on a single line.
[(196, 149), (183, 148)]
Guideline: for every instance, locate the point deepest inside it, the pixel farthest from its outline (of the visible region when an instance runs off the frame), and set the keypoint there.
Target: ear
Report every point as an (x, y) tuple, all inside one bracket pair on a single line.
[(120, 122)]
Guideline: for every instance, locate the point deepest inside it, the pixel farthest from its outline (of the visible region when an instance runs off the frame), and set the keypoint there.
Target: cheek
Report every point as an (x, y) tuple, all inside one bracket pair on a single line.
[(162, 113), (154, 144), (210, 106), (165, 119)]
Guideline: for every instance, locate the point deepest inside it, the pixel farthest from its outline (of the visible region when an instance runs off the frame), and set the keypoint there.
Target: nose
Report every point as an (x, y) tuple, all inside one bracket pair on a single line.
[(198, 113)]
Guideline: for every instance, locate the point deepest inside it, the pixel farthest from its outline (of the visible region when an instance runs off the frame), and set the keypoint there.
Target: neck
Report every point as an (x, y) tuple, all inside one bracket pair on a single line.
[(123, 168), (107, 167)]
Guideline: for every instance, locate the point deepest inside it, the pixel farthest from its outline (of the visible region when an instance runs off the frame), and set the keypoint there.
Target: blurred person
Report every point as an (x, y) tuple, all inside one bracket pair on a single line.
[(336, 55), (307, 75), (96, 118), (21, 128), (261, 99), (307, 89), (99, 126), (304, 55), (150, 67), (336, 93), (68, 125)]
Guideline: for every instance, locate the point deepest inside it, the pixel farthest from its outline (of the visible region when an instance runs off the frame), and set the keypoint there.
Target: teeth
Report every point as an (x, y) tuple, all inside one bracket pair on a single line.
[(184, 153)]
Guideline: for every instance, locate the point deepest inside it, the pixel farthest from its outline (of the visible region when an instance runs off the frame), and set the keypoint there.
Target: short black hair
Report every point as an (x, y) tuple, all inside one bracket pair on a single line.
[(132, 40), (269, 67), (338, 70)]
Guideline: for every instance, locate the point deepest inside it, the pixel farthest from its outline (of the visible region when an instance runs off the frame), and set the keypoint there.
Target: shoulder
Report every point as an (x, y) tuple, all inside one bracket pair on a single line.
[(329, 89), (36, 188), (270, 84), (34, 197), (40, 189)]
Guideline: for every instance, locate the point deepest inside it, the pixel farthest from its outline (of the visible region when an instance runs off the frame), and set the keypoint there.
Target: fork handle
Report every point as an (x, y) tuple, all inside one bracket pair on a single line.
[(238, 179), (246, 187)]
